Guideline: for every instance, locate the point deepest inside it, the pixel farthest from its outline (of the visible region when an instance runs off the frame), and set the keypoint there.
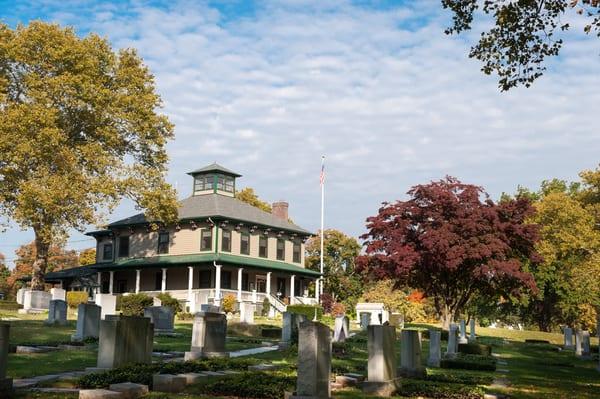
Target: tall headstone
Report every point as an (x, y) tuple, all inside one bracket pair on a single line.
[(287, 328), (58, 293), (314, 361), (472, 336), (88, 321), (57, 312), (452, 348), (247, 312), (568, 333), (381, 371), (163, 318), (107, 303), (463, 332), (340, 329), (410, 354), (578, 342), (21, 295), (435, 348), (585, 344), (6, 384), (208, 336), (365, 320), (124, 340)]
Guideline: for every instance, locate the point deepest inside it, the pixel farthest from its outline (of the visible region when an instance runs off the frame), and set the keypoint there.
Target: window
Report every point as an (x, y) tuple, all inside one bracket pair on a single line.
[(245, 244), (262, 247), (221, 183), (204, 279), (225, 183), (229, 184), (163, 242), (296, 252), (123, 247), (226, 241), (280, 249), (206, 240), (226, 279), (202, 183), (245, 282), (107, 252)]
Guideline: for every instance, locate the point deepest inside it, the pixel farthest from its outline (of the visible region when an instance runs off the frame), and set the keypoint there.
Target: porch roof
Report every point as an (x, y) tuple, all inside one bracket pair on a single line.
[(188, 260)]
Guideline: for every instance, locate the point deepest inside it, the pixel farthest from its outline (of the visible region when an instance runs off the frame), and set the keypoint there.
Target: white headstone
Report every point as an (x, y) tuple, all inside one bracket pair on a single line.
[(247, 312), (21, 295), (36, 300), (340, 329), (108, 303), (578, 343), (58, 293), (463, 332)]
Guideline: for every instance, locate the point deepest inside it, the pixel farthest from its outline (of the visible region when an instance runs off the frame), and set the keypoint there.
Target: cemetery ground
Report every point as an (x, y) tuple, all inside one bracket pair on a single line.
[(534, 369)]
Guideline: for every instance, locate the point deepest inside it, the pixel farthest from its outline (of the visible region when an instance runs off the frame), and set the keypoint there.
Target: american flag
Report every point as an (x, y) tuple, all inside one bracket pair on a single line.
[(322, 177)]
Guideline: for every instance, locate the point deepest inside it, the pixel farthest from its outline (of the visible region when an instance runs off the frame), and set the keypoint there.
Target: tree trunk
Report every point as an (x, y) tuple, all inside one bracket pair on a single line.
[(447, 316), (42, 247)]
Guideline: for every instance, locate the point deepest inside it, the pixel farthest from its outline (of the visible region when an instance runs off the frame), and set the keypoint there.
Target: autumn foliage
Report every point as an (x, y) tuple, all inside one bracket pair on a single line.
[(450, 241)]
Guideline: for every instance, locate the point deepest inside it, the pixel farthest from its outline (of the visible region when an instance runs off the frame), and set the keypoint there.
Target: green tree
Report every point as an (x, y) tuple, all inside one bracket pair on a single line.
[(248, 196), (79, 130), (340, 278), (522, 33), (87, 256)]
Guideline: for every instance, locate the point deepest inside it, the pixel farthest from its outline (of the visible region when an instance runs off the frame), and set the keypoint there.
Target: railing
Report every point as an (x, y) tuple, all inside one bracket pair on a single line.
[(277, 303)]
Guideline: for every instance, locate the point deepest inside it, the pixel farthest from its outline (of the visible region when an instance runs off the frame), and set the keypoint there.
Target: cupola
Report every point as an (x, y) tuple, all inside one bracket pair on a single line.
[(214, 179)]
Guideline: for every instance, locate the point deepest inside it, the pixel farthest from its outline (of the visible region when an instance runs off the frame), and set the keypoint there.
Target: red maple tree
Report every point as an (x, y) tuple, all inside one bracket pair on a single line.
[(451, 241)]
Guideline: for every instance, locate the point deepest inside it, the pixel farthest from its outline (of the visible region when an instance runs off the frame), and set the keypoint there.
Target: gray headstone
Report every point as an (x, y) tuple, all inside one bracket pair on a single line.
[(568, 333), (88, 321), (472, 336), (410, 354), (381, 367), (36, 300), (463, 332), (365, 320), (125, 339), (585, 344), (579, 343), (205, 307), (208, 336), (57, 312), (314, 361), (340, 329), (287, 326), (452, 348), (435, 348), (163, 318)]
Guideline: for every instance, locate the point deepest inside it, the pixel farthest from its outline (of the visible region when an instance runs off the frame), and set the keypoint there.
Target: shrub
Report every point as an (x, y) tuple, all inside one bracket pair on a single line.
[(250, 385), (9, 305), (456, 378), (470, 362), (433, 390), (185, 316), (475, 349), (134, 304), (306, 310), (75, 298), (271, 332), (265, 307), (229, 303), (167, 300)]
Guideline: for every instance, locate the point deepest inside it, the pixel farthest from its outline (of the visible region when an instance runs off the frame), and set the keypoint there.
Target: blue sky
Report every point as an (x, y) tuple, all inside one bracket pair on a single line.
[(266, 88)]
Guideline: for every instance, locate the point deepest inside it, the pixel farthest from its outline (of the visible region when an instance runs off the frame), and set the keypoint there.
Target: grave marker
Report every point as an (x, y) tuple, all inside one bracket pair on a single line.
[(88, 321), (314, 361), (208, 336), (463, 333), (410, 354), (163, 318), (57, 313), (124, 340), (381, 369), (435, 348)]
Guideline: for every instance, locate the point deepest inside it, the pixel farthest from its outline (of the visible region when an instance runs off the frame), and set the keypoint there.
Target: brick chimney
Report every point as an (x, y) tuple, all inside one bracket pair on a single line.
[(280, 210)]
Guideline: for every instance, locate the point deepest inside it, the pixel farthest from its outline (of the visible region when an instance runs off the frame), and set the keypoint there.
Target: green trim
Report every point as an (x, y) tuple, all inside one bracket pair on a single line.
[(186, 260), (215, 183)]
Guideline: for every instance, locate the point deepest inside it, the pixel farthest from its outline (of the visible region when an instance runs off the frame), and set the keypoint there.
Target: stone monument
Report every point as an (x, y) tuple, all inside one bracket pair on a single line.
[(340, 329), (435, 348), (314, 361), (35, 301), (381, 371), (585, 345), (58, 293), (107, 303), (376, 311), (88, 321), (208, 336), (463, 333), (247, 312), (578, 343), (410, 354), (124, 340), (472, 336), (397, 320), (365, 320), (568, 333), (163, 318), (452, 348), (57, 313)]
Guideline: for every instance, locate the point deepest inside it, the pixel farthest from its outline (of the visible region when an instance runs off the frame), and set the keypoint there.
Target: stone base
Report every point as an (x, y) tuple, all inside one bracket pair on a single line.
[(203, 355), (380, 388), (168, 383), (129, 390), (412, 373)]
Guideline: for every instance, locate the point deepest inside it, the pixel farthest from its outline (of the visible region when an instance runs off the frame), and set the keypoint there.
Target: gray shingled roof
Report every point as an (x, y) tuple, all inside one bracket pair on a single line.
[(215, 205), (214, 167)]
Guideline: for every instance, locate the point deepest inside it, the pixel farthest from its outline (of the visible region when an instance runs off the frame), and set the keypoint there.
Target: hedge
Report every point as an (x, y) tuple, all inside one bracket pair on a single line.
[(537, 341), (75, 298), (250, 385), (306, 310), (433, 390), (167, 300), (134, 304), (9, 305), (469, 362), (473, 348)]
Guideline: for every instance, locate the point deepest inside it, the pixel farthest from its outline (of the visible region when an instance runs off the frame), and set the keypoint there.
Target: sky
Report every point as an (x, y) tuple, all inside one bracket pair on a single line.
[(267, 88)]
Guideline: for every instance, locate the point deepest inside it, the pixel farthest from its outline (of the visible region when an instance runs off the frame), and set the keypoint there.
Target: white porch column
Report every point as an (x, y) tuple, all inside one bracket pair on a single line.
[(239, 281), (218, 284), (317, 290), (99, 280), (292, 289), (110, 282), (190, 295), (137, 281), (269, 283), (163, 286)]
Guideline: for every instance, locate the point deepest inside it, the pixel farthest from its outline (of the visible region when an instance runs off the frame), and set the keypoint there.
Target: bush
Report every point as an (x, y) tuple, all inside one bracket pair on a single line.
[(229, 303), (306, 310), (456, 378), (469, 362), (266, 305), (433, 390), (250, 385), (9, 305), (75, 298), (134, 304), (475, 349), (271, 332), (185, 316), (167, 300)]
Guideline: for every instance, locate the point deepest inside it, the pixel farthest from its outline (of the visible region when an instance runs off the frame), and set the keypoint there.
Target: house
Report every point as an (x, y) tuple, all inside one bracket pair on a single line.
[(220, 246)]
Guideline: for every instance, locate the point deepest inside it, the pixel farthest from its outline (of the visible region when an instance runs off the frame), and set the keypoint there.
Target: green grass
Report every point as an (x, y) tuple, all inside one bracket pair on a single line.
[(29, 365)]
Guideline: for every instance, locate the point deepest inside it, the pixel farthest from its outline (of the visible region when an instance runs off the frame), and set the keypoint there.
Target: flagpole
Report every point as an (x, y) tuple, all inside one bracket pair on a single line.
[(322, 222)]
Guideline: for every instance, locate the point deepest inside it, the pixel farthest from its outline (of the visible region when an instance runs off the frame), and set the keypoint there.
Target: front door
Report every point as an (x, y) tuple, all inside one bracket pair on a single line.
[(261, 283), (281, 281)]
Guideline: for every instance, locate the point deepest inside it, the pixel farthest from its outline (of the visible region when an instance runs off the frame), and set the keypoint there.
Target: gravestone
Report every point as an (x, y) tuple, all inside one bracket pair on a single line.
[(435, 348), (568, 333), (107, 303), (452, 348), (578, 343), (247, 312), (397, 320), (585, 344), (58, 293), (205, 307), (35, 301), (314, 361), (57, 313), (463, 333), (124, 340), (410, 354), (6, 384), (376, 311), (88, 321), (472, 336), (288, 326), (365, 320), (208, 336), (163, 318), (340, 330), (381, 368), (21, 295)]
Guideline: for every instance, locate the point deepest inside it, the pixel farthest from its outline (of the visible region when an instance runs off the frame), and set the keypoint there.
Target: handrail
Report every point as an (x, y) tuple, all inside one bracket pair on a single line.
[(277, 303)]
